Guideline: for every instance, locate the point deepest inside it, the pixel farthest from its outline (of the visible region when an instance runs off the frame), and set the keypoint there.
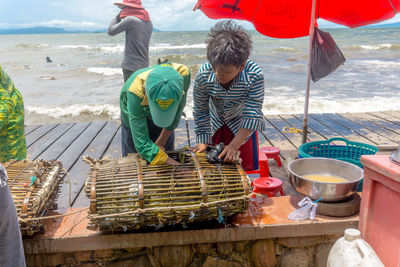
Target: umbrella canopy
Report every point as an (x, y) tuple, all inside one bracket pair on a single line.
[(297, 18), (291, 18)]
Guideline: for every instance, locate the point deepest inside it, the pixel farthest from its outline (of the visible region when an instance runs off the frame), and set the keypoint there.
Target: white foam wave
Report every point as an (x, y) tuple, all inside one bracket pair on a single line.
[(378, 63), (160, 47), (105, 71), (283, 105), (106, 49), (113, 49), (106, 110), (279, 89), (272, 106), (74, 47), (369, 47), (284, 49)]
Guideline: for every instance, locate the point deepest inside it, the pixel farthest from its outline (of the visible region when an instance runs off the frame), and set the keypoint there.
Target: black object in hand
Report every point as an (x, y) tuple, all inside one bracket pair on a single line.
[(212, 153)]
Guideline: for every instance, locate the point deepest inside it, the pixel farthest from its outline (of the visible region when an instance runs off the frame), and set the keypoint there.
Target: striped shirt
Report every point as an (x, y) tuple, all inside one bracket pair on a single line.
[(238, 107)]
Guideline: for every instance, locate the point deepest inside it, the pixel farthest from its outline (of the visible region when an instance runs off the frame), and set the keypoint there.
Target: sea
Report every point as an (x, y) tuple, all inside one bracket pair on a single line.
[(84, 79)]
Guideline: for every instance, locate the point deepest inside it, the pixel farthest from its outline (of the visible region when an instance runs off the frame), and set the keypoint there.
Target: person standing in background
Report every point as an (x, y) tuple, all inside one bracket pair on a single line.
[(134, 20), (12, 127)]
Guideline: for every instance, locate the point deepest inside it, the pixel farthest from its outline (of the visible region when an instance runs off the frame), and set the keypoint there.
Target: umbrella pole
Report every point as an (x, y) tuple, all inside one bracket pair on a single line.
[(305, 123)]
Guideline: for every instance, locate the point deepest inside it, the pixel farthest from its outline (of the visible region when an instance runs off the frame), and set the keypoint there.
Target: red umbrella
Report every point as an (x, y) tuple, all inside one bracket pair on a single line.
[(296, 18), (291, 18)]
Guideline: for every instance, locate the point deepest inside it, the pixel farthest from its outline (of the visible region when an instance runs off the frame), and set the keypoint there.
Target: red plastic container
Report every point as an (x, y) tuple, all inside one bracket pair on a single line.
[(380, 208), (269, 186)]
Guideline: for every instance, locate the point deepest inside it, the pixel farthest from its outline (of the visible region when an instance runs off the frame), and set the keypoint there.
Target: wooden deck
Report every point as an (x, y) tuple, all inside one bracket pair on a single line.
[(68, 142)]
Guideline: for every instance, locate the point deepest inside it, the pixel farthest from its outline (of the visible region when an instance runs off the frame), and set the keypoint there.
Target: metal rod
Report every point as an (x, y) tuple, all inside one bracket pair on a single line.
[(307, 98), (187, 128)]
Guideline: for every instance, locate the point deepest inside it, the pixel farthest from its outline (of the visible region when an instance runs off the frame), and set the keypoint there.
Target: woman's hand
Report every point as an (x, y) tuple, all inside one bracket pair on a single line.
[(229, 153), (199, 148)]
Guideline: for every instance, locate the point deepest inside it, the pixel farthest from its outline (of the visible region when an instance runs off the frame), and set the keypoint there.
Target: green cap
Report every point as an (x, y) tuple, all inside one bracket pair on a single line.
[(164, 90)]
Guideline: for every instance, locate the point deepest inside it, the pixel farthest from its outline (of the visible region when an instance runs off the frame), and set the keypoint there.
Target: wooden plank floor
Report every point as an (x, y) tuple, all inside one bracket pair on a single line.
[(68, 142)]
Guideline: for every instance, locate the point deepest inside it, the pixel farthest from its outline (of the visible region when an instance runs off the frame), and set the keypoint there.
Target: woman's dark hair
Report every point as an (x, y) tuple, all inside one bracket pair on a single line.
[(228, 43)]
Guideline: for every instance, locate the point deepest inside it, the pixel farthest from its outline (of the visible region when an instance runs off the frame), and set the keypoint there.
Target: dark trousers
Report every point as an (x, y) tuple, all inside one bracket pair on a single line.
[(128, 146), (11, 248), (127, 74), (248, 151)]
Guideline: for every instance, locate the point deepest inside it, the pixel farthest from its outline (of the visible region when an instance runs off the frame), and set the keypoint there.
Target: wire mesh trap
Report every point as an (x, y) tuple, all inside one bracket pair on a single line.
[(34, 188), (127, 193)]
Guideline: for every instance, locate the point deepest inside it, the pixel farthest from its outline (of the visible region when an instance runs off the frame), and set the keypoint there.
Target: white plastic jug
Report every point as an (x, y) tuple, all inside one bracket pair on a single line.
[(351, 251)]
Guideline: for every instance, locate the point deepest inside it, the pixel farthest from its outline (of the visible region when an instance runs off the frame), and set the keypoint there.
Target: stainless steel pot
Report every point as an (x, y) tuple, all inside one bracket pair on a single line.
[(329, 192)]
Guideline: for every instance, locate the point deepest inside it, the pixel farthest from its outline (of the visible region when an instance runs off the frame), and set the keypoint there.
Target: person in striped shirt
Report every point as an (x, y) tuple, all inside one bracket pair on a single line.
[(228, 96)]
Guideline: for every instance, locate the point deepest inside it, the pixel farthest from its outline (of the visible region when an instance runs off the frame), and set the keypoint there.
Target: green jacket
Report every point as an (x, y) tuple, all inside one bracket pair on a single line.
[(135, 109), (12, 128)]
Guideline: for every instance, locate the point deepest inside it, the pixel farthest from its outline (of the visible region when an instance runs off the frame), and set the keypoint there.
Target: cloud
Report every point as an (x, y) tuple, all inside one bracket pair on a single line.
[(66, 24), (68, 14), (4, 25), (392, 20)]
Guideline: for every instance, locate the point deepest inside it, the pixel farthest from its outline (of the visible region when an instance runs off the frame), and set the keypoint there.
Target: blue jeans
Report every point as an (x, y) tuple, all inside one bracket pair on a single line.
[(128, 146)]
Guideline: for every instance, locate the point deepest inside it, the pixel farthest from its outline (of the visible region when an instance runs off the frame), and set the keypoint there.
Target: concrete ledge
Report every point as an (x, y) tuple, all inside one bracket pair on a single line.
[(266, 218), (126, 241)]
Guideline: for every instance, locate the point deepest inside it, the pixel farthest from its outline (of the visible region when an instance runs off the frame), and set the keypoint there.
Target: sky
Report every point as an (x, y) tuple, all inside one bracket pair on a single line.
[(166, 15)]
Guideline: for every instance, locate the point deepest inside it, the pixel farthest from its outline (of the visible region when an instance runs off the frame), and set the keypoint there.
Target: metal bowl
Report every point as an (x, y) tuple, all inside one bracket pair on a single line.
[(329, 192)]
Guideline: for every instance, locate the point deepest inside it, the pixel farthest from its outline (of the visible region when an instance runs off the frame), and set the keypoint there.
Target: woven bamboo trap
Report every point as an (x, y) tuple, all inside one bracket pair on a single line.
[(34, 189), (127, 193)]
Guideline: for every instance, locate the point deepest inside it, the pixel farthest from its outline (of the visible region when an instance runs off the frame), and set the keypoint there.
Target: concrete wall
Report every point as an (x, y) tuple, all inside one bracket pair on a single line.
[(286, 252)]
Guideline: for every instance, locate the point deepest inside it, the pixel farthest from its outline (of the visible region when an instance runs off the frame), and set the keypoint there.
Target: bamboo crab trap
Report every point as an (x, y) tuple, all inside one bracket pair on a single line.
[(34, 189), (128, 194)]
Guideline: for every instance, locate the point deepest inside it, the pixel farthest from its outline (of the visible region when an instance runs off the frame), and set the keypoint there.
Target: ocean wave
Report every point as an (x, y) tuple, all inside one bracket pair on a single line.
[(275, 89), (75, 47), (373, 47), (113, 49), (107, 49), (283, 105), (120, 48), (284, 49), (105, 71), (374, 64), (81, 111), (107, 111), (25, 46), (273, 105), (161, 47)]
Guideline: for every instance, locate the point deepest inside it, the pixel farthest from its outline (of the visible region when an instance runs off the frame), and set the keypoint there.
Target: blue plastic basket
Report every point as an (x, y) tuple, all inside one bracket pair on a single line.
[(350, 152)]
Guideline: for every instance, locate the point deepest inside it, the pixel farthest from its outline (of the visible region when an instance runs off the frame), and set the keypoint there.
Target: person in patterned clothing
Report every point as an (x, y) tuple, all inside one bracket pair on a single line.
[(12, 128), (228, 96)]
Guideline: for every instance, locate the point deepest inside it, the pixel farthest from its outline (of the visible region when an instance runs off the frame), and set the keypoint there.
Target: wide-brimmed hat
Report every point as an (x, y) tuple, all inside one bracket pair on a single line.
[(130, 3), (164, 90)]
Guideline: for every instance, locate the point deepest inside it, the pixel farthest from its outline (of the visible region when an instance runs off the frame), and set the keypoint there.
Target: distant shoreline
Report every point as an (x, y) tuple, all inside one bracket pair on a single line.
[(50, 30), (56, 30)]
